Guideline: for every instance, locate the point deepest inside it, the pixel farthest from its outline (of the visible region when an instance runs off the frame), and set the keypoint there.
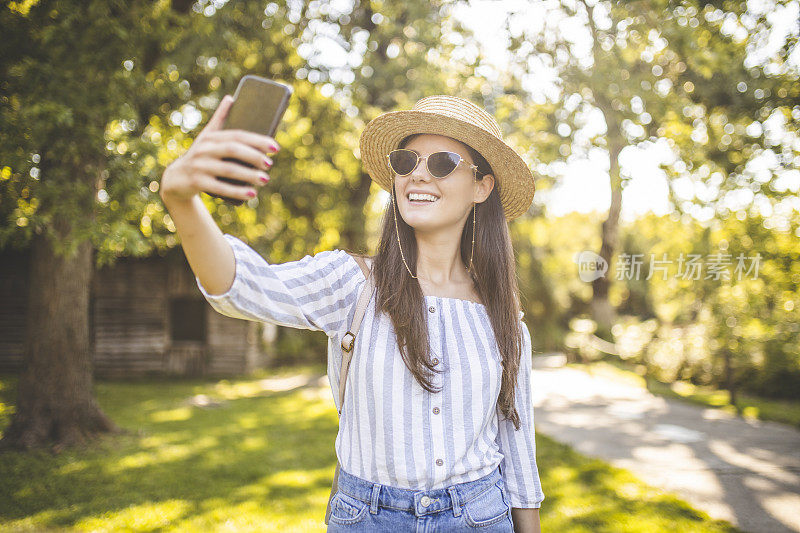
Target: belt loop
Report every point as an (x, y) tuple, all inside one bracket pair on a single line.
[(456, 502), (373, 506)]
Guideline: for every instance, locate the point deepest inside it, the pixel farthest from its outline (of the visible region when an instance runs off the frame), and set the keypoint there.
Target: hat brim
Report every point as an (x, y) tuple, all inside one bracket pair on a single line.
[(384, 133)]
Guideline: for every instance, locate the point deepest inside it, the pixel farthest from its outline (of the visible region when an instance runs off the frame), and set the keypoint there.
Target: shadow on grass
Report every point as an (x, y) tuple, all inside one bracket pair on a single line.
[(747, 406), (275, 447), (586, 494), (264, 462)]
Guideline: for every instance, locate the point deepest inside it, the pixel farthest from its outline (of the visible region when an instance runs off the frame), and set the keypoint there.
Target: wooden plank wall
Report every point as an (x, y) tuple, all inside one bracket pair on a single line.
[(227, 339), (13, 297), (129, 317), (129, 309)]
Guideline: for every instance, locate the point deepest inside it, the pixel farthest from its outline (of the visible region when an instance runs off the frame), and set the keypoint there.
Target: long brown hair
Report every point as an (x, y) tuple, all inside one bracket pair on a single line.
[(400, 296)]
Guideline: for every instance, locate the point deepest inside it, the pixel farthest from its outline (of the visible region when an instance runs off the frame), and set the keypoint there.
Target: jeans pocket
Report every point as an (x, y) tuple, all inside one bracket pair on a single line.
[(487, 508), (347, 510)]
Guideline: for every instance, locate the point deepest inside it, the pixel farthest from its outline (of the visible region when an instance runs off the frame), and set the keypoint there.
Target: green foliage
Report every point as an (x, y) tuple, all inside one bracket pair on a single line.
[(86, 130), (683, 75), (96, 100), (751, 315)]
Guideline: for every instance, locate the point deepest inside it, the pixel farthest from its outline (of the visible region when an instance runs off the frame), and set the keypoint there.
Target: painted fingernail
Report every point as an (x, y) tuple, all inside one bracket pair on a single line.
[(264, 178), (267, 162), (274, 147), (251, 194)]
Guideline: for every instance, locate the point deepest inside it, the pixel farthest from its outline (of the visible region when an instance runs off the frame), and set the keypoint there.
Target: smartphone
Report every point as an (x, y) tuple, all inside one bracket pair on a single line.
[(258, 106)]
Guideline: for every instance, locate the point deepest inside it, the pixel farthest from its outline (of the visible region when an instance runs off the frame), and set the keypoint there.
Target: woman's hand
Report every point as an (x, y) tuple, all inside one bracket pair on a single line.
[(196, 170)]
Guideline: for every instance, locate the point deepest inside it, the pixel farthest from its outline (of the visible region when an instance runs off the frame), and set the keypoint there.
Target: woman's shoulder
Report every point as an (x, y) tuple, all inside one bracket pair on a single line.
[(368, 258), (363, 260)]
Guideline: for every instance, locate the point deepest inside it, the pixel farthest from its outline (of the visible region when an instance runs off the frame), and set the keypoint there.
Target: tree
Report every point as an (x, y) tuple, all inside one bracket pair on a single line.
[(397, 53), (84, 93), (674, 72), (52, 124)]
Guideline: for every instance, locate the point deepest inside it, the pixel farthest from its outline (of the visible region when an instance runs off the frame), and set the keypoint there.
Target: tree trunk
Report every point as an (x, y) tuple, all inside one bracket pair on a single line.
[(729, 381), (55, 402), (354, 234), (603, 312)]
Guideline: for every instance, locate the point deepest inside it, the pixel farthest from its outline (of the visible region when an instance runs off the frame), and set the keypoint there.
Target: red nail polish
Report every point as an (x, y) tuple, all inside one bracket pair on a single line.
[(251, 194), (263, 179), (267, 163)]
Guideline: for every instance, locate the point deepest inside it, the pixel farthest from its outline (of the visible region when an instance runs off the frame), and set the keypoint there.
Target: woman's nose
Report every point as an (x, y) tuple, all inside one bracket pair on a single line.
[(421, 171)]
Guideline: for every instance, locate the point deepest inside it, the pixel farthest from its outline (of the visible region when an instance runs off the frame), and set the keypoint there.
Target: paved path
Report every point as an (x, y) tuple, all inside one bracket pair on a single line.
[(746, 472)]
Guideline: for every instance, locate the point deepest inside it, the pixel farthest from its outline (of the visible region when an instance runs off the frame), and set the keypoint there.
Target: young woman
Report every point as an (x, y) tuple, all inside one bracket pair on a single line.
[(436, 430)]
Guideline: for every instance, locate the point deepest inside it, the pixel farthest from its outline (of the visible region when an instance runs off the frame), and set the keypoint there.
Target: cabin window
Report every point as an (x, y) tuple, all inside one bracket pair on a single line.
[(188, 319)]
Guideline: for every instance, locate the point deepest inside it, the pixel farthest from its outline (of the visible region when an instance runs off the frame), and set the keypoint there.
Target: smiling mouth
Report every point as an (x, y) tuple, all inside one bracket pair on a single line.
[(421, 202)]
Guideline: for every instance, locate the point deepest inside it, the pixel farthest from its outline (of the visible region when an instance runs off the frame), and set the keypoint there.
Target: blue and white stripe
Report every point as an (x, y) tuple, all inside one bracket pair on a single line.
[(388, 431)]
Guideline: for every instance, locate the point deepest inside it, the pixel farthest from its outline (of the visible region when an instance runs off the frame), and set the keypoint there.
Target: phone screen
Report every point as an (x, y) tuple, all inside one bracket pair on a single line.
[(258, 106)]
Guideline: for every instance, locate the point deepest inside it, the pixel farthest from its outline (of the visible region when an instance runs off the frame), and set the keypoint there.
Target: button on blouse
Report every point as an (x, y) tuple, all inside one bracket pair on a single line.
[(391, 430)]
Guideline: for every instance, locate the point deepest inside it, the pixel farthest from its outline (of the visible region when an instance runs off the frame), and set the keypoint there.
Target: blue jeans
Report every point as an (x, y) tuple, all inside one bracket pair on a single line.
[(480, 505)]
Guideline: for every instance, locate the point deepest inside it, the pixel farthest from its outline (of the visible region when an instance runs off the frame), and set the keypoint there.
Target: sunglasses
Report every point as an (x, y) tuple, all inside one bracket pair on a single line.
[(439, 164)]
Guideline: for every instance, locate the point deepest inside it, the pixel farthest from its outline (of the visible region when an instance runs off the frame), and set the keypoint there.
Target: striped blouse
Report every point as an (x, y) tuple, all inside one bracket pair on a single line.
[(391, 430)]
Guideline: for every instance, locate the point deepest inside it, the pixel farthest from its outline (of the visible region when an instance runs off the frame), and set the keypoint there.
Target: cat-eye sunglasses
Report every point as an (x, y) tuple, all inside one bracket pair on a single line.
[(440, 164)]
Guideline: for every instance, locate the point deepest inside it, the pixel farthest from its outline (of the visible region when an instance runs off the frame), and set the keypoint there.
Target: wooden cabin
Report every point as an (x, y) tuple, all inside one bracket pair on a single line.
[(147, 318)]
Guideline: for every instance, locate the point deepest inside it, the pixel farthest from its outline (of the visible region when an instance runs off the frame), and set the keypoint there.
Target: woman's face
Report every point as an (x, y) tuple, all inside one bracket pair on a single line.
[(455, 193)]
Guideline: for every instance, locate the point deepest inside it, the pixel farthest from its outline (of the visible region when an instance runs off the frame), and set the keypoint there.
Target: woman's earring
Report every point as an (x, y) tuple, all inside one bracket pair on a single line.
[(472, 253), (397, 231)]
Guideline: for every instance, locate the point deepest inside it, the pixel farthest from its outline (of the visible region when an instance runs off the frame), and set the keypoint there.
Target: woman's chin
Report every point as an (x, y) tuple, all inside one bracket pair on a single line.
[(413, 215), (422, 223)]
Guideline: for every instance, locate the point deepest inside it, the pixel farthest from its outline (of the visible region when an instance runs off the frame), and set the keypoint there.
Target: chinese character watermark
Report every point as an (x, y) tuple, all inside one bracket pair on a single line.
[(689, 267)]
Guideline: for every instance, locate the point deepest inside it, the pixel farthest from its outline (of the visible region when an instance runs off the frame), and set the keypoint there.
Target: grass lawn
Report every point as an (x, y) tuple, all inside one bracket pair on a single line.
[(784, 411), (263, 460)]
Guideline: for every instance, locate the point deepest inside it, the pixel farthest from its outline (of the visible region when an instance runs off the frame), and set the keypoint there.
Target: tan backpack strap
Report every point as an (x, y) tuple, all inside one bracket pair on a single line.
[(363, 264), (349, 338), (347, 347), (334, 488)]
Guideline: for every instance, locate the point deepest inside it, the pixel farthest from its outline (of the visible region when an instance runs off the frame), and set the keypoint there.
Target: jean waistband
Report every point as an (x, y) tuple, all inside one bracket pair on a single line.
[(420, 502)]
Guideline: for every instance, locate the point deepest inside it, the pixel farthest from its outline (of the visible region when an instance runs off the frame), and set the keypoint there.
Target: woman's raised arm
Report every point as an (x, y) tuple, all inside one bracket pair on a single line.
[(209, 256)]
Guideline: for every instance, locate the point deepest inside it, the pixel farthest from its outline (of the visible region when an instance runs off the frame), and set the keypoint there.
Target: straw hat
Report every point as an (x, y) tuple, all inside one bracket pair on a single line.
[(462, 120)]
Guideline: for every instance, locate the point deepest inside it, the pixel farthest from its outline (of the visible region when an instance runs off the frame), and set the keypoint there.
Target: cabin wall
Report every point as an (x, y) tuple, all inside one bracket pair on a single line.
[(147, 318), (128, 316), (13, 297)]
